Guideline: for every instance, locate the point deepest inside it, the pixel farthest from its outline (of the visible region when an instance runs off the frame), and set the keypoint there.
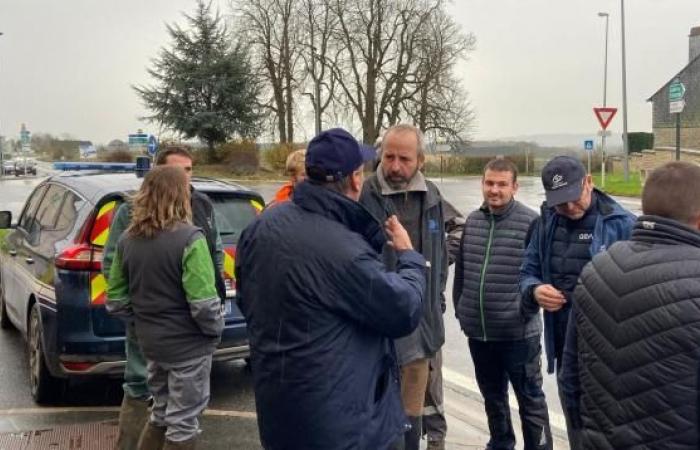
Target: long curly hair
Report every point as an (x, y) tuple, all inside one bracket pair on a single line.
[(162, 202)]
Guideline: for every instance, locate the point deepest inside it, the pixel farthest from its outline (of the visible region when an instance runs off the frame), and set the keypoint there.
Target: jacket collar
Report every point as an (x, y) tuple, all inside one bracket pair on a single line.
[(656, 229), (417, 183), (339, 208), (501, 213)]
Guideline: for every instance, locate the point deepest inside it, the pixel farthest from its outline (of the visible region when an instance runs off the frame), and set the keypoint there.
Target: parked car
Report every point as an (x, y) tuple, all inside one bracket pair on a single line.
[(8, 167), (24, 167), (52, 288)]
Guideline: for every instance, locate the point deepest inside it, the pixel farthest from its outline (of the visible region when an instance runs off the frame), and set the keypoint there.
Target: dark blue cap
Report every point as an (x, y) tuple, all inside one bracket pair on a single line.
[(334, 154), (562, 178)]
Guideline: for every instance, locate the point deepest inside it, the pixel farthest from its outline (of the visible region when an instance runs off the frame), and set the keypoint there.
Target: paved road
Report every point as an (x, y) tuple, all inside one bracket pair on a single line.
[(464, 193)]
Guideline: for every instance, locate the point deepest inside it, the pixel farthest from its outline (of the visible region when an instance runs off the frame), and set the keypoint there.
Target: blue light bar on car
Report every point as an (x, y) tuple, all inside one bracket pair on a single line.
[(107, 167)]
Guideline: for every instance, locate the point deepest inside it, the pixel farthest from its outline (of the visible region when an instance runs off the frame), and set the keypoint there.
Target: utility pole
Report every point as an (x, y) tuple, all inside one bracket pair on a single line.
[(625, 138)]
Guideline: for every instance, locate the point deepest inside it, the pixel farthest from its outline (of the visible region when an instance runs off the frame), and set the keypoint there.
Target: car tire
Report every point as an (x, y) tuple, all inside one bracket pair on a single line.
[(45, 387), (5, 323)]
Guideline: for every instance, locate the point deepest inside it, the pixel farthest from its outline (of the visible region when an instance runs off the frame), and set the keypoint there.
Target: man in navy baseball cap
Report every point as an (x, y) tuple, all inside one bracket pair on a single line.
[(322, 309), (334, 154), (563, 180), (578, 221)]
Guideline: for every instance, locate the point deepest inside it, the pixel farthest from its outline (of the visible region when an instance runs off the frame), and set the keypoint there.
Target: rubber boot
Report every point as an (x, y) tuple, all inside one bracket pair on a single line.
[(436, 445), (189, 444), (413, 435), (152, 437), (133, 416)]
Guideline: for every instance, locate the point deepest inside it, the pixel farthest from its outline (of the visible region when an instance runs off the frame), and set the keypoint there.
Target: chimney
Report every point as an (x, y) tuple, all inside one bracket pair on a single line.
[(694, 39)]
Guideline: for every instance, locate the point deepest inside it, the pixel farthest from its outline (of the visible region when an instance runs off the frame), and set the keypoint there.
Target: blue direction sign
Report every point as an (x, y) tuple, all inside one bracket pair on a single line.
[(588, 144), (152, 145)]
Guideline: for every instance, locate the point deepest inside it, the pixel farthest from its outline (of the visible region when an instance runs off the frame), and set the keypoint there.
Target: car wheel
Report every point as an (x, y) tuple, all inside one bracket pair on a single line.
[(4, 318), (45, 387)]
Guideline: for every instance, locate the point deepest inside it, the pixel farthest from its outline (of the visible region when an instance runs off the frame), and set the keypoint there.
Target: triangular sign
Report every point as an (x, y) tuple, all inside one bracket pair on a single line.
[(605, 116)]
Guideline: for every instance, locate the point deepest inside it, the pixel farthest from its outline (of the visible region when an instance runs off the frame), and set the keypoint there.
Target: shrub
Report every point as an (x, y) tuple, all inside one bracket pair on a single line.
[(241, 157), (276, 157), (117, 156)]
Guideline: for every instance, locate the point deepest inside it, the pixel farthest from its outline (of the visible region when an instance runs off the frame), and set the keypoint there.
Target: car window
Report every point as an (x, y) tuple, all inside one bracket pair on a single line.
[(233, 214), (26, 221), (69, 212), (47, 214)]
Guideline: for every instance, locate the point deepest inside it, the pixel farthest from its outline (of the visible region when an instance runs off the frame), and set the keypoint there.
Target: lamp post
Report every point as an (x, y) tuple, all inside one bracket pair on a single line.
[(605, 95), (625, 138), (2, 156)]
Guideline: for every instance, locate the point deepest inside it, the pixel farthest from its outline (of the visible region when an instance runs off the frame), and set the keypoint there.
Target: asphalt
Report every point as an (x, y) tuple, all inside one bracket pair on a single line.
[(94, 428)]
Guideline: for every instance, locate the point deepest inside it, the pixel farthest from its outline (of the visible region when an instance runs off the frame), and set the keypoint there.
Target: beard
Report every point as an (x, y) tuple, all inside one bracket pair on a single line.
[(397, 181)]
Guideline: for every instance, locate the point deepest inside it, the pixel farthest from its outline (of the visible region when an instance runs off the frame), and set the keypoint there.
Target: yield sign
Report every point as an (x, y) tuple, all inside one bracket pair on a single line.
[(605, 116)]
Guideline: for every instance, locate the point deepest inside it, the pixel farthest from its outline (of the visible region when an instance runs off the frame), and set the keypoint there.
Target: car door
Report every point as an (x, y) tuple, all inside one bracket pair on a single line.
[(15, 277)]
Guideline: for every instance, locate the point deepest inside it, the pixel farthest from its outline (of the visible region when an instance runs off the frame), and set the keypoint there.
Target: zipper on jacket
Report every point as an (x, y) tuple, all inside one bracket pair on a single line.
[(492, 224)]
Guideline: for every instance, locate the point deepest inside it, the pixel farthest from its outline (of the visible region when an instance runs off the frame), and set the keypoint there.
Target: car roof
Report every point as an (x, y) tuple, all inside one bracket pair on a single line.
[(94, 185)]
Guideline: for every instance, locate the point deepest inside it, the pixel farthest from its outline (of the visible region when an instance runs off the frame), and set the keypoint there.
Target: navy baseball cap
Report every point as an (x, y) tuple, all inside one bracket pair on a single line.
[(562, 178), (334, 154)]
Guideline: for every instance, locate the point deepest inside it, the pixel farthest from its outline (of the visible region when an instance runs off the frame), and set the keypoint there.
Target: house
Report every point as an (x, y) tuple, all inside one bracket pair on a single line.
[(663, 122)]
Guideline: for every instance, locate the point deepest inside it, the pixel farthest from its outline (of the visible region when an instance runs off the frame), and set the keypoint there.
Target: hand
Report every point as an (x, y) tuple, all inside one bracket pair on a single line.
[(398, 236), (549, 298)]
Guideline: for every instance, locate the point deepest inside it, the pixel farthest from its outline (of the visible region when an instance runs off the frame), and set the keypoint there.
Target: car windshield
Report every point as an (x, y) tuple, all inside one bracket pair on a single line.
[(233, 214)]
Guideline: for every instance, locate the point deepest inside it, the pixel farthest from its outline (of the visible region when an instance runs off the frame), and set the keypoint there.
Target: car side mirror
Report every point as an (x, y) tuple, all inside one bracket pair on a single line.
[(5, 219)]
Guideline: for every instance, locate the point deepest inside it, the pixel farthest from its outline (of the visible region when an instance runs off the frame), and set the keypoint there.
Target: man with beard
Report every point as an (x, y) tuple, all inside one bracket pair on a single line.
[(399, 188)]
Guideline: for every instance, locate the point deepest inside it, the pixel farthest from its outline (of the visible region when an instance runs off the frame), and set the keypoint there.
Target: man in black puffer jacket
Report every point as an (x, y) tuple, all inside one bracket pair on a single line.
[(487, 303), (634, 348)]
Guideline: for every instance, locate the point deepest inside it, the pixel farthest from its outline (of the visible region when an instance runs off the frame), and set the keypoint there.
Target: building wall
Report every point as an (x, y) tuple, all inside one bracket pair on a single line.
[(666, 137), (664, 123)]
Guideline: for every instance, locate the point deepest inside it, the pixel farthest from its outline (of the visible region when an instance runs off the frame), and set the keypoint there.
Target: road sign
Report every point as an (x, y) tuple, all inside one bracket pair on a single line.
[(676, 91), (606, 133), (677, 106), (152, 145), (588, 145), (605, 116)]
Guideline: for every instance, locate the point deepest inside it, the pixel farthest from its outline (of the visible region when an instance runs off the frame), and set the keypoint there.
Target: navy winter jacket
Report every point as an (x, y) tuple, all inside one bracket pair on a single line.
[(613, 223), (322, 311)]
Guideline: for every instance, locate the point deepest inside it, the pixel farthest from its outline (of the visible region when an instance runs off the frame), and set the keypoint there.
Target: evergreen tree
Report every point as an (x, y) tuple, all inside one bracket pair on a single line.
[(205, 87)]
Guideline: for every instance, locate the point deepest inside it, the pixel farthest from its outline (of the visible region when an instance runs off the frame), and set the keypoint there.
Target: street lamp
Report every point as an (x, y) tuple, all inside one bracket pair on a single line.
[(2, 160), (605, 94), (625, 138)]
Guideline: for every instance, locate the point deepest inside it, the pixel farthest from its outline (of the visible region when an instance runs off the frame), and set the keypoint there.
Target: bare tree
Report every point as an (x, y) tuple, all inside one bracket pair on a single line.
[(439, 104), (270, 27), (317, 24)]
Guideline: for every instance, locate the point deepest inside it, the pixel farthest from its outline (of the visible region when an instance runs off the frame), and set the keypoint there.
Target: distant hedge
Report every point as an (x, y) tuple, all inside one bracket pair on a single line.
[(639, 141)]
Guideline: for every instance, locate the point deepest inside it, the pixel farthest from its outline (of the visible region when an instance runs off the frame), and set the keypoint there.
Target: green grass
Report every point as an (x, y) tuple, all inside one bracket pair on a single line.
[(616, 185)]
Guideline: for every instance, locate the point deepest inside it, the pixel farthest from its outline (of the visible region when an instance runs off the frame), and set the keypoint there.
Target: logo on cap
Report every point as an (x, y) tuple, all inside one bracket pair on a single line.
[(558, 181)]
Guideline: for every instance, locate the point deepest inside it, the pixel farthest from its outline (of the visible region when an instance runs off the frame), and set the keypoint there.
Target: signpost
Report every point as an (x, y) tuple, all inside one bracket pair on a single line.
[(676, 104), (588, 146), (605, 116)]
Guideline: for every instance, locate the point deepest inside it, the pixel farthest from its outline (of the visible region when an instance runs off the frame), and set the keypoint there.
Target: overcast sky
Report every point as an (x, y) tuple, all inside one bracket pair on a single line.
[(67, 66)]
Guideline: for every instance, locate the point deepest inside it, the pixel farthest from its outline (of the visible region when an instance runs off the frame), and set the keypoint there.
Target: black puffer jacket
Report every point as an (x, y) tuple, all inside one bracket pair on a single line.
[(485, 293), (637, 311)]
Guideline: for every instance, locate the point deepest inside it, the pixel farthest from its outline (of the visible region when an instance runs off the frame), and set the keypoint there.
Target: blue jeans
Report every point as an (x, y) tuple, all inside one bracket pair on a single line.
[(497, 363), (136, 372)]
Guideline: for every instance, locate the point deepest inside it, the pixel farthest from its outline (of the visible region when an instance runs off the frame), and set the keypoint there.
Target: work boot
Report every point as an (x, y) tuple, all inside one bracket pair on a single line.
[(189, 444), (413, 435), (152, 437), (133, 416), (436, 445)]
